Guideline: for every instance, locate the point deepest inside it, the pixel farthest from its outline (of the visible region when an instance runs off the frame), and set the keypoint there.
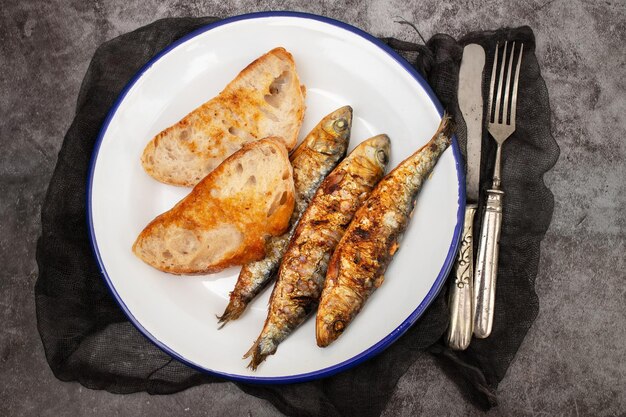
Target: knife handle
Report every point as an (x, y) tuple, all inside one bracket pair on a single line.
[(461, 297), (487, 264)]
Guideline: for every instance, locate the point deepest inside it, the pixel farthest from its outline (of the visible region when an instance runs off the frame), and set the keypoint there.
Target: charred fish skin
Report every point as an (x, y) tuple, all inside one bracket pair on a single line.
[(359, 262), (317, 155), (303, 269)]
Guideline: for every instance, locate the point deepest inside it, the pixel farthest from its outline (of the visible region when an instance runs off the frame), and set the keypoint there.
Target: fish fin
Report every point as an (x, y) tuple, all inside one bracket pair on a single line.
[(221, 321), (447, 125), (394, 248), (332, 181), (251, 350), (296, 153), (257, 358), (232, 312), (379, 281), (257, 355)]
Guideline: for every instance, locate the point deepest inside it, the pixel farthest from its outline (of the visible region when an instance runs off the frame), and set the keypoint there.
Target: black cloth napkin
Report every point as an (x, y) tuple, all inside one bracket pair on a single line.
[(88, 339)]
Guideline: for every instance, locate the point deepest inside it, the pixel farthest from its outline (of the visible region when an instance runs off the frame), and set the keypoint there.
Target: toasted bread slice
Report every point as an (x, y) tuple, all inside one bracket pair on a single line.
[(226, 218), (265, 99)]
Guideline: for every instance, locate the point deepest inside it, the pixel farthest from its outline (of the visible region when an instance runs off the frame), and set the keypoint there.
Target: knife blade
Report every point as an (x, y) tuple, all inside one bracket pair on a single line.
[(471, 105), (461, 294)]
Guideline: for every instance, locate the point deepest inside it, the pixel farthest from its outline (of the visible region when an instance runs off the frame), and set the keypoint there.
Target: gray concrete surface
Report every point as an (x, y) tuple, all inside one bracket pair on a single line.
[(572, 361)]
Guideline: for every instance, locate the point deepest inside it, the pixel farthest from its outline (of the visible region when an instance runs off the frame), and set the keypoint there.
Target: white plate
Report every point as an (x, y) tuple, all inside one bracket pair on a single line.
[(339, 65)]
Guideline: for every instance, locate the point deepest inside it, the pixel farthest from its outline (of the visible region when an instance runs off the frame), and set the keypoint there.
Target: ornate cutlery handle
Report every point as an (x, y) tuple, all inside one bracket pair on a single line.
[(487, 264), (461, 296)]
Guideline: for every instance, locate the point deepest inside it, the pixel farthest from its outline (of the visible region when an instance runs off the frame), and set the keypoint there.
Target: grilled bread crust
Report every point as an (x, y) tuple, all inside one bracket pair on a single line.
[(265, 99), (227, 217)]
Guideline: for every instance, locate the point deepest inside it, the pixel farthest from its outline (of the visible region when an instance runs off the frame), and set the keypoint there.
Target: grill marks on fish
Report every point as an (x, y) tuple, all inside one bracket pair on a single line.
[(320, 151), (357, 266), (303, 270)]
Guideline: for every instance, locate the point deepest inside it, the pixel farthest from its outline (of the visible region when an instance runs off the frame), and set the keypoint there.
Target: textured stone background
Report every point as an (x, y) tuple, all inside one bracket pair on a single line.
[(572, 361)]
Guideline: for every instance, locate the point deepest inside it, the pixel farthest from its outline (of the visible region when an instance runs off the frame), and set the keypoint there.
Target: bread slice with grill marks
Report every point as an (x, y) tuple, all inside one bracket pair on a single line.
[(265, 99), (227, 217)]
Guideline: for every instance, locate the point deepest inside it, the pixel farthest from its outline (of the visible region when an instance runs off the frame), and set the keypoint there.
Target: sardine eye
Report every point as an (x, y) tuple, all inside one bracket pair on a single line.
[(340, 125), (338, 326), (382, 157)]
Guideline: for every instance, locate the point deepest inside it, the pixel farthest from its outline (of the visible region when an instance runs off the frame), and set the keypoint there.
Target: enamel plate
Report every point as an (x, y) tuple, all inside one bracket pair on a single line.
[(339, 65)]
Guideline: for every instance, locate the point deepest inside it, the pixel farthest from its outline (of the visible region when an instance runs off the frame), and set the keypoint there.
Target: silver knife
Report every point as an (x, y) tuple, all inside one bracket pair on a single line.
[(461, 295)]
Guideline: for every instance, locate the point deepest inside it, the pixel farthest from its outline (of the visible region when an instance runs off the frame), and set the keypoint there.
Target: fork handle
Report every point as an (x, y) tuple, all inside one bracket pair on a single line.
[(487, 264), (461, 297)]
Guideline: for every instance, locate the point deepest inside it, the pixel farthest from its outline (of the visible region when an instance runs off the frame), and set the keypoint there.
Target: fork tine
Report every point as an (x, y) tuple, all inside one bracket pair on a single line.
[(515, 84), (492, 83), (496, 114), (505, 114)]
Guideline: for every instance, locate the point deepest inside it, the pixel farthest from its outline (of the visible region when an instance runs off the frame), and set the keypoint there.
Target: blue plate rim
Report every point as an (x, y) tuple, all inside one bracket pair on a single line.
[(384, 342)]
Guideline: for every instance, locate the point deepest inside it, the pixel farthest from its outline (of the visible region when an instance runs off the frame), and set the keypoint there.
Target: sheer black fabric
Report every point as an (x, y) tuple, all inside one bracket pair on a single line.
[(87, 338)]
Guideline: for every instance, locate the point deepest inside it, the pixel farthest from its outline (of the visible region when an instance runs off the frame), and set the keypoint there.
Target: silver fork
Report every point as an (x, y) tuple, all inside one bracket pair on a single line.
[(501, 126)]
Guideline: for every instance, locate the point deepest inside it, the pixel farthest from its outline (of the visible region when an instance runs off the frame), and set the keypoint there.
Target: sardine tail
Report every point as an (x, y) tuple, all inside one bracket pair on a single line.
[(233, 310), (256, 354), (257, 358), (447, 126), (251, 350), (264, 346)]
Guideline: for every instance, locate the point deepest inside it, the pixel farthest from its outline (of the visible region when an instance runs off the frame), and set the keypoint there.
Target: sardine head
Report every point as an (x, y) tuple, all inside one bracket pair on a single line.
[(335, 314), (329, 137), (373, 154), (328, 332), (382, 144), (334, 133), (338, 123)]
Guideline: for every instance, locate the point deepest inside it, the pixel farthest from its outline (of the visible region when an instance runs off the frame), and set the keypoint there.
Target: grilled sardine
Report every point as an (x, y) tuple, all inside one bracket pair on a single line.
[(302, 271), (357, 266), (320, 151)]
